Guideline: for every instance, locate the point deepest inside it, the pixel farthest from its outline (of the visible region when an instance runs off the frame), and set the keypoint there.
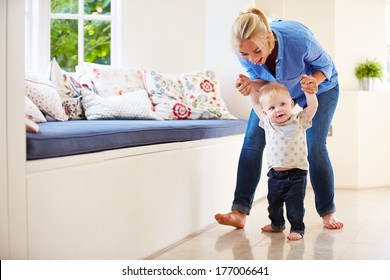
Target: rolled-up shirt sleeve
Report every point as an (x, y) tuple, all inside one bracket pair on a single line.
[(318, 59)]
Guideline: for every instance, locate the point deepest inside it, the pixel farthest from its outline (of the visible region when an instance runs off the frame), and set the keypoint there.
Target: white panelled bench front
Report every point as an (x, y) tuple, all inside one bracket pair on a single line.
[(126, 195)]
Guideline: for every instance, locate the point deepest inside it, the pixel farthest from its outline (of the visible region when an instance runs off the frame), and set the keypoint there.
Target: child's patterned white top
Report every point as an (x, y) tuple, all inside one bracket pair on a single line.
[(286, 144)]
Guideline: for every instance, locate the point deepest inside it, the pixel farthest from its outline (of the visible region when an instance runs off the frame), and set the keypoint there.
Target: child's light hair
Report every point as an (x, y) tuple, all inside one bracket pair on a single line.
[(270, 90), (252, 25)]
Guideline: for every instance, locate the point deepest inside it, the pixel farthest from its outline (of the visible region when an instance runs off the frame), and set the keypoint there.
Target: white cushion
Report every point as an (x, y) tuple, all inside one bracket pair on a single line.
[(132, 105)]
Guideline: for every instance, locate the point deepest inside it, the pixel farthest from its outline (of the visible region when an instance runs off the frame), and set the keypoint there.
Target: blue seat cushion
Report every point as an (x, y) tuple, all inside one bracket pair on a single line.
[(75, 137)]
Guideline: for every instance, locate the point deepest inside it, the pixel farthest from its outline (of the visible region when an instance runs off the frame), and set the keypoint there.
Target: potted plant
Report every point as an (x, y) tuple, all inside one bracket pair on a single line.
[(367, 71)]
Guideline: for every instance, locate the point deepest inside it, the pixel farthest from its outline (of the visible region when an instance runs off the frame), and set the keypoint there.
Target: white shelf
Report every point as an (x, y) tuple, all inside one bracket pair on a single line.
[(360, 144)]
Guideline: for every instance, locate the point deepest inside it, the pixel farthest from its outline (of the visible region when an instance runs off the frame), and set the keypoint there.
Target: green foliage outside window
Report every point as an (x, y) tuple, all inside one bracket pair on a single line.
[(96, 6), (64, 43), (64, 6), (64, 34), (97, 36)]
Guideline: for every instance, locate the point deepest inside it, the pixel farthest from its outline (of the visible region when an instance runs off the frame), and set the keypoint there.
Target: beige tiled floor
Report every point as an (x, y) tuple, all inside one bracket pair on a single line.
[(365, 213)]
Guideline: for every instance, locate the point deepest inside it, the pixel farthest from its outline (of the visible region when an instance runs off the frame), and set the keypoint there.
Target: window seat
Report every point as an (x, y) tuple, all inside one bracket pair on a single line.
[(75, 137), (126, 189)]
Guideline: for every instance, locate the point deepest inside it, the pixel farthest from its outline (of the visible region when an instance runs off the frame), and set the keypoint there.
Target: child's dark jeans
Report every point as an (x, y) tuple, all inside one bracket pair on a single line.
[(287, 187)]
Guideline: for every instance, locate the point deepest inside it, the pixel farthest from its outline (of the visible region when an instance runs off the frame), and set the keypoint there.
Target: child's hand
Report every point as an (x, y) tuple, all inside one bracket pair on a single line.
[(309, 84), (243, 85)]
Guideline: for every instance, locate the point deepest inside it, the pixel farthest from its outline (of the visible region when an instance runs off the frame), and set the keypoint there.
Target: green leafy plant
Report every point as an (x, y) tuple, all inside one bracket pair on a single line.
[(369, 69)]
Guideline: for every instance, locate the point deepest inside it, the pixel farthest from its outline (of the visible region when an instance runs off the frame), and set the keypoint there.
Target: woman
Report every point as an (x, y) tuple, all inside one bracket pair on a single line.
[(286, 52)]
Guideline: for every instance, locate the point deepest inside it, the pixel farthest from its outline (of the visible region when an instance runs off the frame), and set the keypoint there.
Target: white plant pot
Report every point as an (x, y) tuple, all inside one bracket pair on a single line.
[(367, 84)]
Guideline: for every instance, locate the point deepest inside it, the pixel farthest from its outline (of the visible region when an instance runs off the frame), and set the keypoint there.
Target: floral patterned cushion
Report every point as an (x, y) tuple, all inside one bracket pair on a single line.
[(111, 80), (186, 96), (44, 95), (68, 86), (32, 111)]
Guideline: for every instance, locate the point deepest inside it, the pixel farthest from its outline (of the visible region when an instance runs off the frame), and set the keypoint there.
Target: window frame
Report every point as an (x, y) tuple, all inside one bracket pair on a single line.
[(38, 19)]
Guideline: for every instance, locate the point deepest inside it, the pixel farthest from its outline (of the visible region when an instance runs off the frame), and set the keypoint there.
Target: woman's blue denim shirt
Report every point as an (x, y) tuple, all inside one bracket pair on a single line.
[(299, 53)]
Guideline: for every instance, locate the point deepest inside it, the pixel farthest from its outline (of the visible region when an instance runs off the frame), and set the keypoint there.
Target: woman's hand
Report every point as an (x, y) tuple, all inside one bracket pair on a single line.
[(309, 84), (244, 85)]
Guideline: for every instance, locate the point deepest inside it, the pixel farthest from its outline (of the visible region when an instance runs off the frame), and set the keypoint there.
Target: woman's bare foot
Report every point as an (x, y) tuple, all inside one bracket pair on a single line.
[(294, 236), (331, 222), (234, 219), (268, 228)]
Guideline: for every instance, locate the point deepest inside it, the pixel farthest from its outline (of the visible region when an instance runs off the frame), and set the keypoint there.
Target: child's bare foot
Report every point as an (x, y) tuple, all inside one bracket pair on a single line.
[(331, 222), (233, 218), (268, 228), (294, 236)]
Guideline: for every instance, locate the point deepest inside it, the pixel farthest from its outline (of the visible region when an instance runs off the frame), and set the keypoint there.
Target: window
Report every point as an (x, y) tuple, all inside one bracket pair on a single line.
[(73, 31), (80, 30)]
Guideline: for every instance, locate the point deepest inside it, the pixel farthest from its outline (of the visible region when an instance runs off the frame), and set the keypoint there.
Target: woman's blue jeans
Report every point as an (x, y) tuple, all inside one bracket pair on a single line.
[(320, 171)]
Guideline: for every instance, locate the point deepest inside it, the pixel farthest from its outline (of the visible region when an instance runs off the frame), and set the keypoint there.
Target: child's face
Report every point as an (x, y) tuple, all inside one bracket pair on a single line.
[(278, 108)]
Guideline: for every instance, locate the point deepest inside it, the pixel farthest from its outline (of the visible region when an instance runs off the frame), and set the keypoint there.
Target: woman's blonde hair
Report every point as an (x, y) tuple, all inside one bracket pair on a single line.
[(271, 89), (252, 25)]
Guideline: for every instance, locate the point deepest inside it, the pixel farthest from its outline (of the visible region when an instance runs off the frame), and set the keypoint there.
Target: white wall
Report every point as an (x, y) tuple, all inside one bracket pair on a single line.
[(166, 35), (359, 147), (306, 12), (359, 34), (220, 15)]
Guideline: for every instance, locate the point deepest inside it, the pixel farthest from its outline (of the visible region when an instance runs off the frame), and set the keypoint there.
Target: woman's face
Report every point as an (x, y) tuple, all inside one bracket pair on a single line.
[(256, 53)]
